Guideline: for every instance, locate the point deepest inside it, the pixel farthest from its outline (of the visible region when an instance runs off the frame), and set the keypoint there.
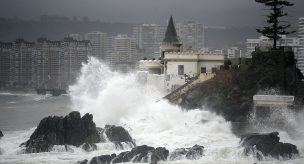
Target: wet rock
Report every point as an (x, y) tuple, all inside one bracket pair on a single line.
[(118, 134), (69, 130), (1, 134), (89, 147), (261, 145), (122, 157), (159, 154), (194, 153), (103, 159), (178, 154), (139, 154), (82, 162)]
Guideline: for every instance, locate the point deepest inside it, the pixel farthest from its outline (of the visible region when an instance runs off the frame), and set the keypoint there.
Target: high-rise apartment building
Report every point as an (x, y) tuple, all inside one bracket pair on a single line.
[(47, 62), (148, 38), (99, 43), (266, 42), (232, 53), (124, 56), (6, 50), (191, 35), (74, 53), (300, 62), (21, 63)]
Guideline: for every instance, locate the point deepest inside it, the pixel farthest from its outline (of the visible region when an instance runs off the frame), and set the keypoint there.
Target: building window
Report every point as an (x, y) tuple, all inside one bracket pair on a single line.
[(203, 70), (213, 70), (180, 70)]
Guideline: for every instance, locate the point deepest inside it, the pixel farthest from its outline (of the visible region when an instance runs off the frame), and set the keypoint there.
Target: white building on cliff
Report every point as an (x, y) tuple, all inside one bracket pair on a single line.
[(175, 67)]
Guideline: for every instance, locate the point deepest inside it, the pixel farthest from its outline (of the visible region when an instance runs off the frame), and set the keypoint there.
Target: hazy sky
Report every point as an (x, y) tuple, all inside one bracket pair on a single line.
[(209, 12)]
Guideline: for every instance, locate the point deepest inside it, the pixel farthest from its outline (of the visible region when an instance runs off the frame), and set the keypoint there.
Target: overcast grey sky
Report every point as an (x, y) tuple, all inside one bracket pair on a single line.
[(209, 12)]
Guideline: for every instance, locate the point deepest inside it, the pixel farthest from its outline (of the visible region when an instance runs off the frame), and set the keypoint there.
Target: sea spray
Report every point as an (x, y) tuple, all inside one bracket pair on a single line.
[(108, 95), (284, 119), (119, 99)]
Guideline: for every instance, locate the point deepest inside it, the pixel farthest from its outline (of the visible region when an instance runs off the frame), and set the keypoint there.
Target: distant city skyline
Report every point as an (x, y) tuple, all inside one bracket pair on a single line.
[(210, 12)]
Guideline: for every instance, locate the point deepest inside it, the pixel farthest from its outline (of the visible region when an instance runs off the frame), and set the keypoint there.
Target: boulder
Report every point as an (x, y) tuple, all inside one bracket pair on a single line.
[(196, 152), (261, 145), (159, 154), (122, 157), (82, 162), (118, 134), (178, 154), (103, 159), (1, 134), (89, 147), (139, 154), (193, 153), (69, 130)]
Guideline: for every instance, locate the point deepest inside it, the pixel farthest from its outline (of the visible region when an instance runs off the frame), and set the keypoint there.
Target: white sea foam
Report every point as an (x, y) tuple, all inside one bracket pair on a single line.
[(119, 99)]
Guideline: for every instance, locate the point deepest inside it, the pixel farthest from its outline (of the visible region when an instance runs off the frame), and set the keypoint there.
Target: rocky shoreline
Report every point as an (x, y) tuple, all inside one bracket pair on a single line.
[(230, 93), (82, 132), (265, 145), (73, 130), (1, 134)]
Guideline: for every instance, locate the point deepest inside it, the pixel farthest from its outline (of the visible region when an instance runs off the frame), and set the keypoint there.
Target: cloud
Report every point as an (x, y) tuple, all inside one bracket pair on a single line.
[(213, 12)]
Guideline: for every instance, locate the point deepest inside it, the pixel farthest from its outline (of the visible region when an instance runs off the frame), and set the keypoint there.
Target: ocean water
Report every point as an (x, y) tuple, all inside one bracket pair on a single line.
[(118, 99)]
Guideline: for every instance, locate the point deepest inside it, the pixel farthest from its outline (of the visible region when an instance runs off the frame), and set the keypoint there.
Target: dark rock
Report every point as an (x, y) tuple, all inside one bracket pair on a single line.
[(159, 154), (70, 130), (194, 153), (103, 159), (139, 154), (122, 157), (144, 152), (118, 134), (1, 134), (178, 154), (89, 147), (261, 145), (82, 162)]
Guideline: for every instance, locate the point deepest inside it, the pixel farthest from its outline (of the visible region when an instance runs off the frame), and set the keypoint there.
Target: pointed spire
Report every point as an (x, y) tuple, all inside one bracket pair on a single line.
[(171, 35)]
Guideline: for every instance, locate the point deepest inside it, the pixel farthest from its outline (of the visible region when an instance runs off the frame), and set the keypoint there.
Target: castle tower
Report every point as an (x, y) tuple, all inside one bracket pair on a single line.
[(171, 42)]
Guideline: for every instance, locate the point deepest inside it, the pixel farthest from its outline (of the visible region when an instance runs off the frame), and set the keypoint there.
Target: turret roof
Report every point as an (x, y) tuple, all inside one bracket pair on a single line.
[(171, 35)]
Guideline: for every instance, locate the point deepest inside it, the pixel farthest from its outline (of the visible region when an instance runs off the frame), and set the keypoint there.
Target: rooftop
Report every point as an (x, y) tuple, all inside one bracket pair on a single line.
[(171, 35)]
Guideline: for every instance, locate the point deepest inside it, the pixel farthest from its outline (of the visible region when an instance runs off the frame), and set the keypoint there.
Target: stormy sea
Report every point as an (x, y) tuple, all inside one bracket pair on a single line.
[(118, 99)]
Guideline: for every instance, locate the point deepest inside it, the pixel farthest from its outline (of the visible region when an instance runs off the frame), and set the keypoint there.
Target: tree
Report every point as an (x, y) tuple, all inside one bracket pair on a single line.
[(275, 27), (227, 64)]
